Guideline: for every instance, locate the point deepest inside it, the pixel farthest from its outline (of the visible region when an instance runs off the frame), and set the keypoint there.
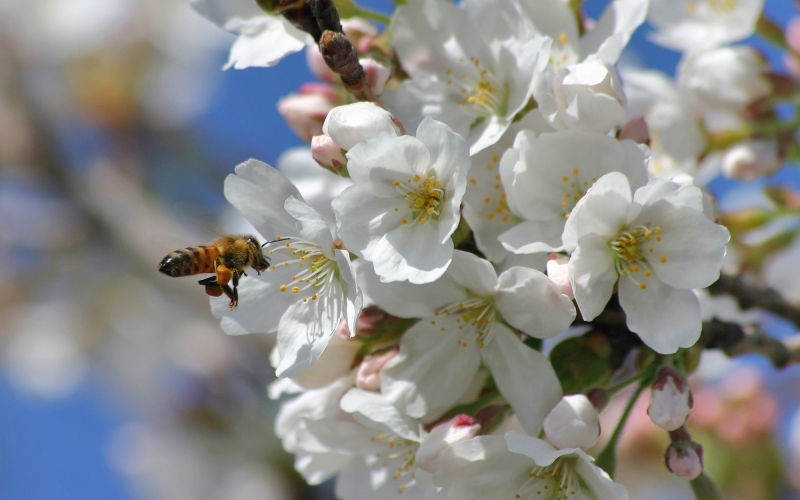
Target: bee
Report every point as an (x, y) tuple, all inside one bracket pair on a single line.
[(226, 257)]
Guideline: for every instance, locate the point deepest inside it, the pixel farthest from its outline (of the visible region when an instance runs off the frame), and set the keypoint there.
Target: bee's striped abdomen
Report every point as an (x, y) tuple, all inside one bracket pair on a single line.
[(190, 260)]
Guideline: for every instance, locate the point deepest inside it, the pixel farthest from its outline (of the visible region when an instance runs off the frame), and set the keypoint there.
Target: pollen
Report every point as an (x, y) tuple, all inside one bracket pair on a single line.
[(662, 259), (643, 285), (282, 288), (295, 289)]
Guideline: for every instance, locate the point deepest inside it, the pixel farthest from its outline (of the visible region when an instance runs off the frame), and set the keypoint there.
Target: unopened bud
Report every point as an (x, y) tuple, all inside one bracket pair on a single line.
[(636, 130), (369, 372), (377, 75), (327, 153), (670, 399), (558, 272), (348, 125), (573, 423), (305, 113), (369, 320), (441, 438), (684, 459)]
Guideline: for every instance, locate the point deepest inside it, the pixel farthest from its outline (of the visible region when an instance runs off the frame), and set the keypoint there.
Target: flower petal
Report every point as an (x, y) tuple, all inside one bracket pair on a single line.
[(525, 377), (665, 318), (534, 236), (377, 409), (530, 301), (375, 164), (473, 273), (593, 275), (310, 224), (413, 254), (603, 210), (448, 150), (364, 219)]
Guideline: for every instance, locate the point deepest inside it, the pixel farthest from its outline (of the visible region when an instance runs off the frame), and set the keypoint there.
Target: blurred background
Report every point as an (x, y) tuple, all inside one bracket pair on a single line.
[(117, 129)]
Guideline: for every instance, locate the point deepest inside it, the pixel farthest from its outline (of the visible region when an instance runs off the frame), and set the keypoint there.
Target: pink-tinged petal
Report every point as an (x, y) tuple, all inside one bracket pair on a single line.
[(310, 225), (665, 318), (593, 275), (448, 150), (481, 469), (259, 191), (691, 249), (377, 163), (364, 219), (525, 377), (530, 301), (407, 300), (412, 253), (305, 329), (433, 369), (473, 273)]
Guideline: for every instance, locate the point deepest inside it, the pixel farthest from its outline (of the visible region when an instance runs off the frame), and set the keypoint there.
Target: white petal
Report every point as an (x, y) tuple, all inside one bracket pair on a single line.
[(258, 191), (534, 236), (276, 39), (593, 275), (260, 308), (316, 468), (353, 299), (481, 469), (364, 219), (665, 318), (525, 377), (620, 20), (448, 150), (407, 300), (693, 247), (222, 11), (473, 273), (530, 301), (377, 163), (310, 225), (375, 407), (603, 210), (305, 329), (598, 481), (433, 369), (539, 450), (412, 253)]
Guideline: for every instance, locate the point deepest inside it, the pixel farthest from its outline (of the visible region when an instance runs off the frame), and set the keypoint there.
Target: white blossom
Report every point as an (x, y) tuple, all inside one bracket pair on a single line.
[(657, 243), (404, 205), (310, 285)]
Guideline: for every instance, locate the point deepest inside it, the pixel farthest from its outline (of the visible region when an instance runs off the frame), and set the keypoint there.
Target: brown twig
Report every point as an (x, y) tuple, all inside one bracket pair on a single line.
[(750, 297)]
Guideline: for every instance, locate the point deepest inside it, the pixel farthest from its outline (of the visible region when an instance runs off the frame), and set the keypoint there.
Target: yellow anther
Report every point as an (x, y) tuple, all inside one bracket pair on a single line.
[(282, 288), (295, 289), (662, 259), (643, 285)]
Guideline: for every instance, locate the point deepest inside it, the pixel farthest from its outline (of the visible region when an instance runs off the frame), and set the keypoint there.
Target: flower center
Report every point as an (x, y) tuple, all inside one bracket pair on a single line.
[(316, 273), (478, 313), (633, 250), (574, 188), (424, 197), (399, 451), (557, 481), (481, 93), (708, 8)]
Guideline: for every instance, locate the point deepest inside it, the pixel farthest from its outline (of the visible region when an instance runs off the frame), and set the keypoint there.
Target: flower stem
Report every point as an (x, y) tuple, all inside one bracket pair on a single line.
[(607, 459), (704, 488)]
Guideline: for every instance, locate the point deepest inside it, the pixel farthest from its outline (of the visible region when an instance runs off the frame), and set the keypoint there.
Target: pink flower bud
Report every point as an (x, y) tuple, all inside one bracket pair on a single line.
[(558, 272), (348, 125), (573, 423), (670, 400), (377, 74), (356, 29), (305, 113), (369, 373), (636, 130), (327, 153), (793, 34), (441, 438), (318, 66), (684, 459)]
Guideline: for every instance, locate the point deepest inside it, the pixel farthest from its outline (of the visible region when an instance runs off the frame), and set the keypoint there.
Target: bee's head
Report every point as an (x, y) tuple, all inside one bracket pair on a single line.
[(259, 261)]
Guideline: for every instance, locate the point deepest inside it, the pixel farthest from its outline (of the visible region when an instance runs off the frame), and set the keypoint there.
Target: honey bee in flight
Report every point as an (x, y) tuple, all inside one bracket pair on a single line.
[(226, 257)]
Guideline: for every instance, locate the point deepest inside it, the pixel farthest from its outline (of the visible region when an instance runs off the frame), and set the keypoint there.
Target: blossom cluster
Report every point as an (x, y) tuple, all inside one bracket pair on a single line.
[(509, 189)]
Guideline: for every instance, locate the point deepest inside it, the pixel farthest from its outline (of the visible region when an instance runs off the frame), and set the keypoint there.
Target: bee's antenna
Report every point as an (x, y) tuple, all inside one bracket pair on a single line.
[(273, 241)]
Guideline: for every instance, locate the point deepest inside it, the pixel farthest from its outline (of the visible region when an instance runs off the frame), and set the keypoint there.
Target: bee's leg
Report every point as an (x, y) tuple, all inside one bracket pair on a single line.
[(224, 276), (213, 288), (235, 282)]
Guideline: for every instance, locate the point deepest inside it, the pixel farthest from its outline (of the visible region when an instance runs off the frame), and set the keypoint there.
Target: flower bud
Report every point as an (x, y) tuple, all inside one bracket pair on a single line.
[(751, 159), (636, 130), (306, 112), (684, 459), (327, 153), (369, 372), (318, 66), (572, 423), (670, 400), (558, 272), (348, 125), (377, 74), (441, 438)]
